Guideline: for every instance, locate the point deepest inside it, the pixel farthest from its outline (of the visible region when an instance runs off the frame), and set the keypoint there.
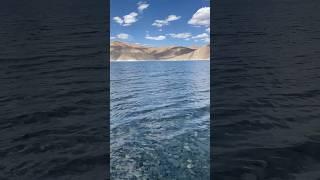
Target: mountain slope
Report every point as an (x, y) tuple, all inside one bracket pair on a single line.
[(126, 51)]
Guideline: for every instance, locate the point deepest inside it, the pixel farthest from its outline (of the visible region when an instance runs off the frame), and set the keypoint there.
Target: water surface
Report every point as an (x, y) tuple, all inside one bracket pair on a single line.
[(160, 120), (265, 90), (53, 118)]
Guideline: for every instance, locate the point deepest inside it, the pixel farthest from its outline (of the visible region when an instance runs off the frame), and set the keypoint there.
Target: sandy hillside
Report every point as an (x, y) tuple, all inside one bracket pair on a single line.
[(126, 51)]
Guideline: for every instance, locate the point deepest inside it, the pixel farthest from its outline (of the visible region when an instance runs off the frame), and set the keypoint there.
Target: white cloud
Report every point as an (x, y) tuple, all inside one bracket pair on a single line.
[(112, 37), (160, 23), (203, 37), (123, 36), (201, 17), (180, 35), (173, 17), (130, 18), (208, 29), (118, 20), (127, 20), (142, 6), (157, 38)]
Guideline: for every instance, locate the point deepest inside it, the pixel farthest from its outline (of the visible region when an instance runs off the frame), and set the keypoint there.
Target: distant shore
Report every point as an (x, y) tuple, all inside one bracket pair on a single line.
[(134, 60), (123, 51)]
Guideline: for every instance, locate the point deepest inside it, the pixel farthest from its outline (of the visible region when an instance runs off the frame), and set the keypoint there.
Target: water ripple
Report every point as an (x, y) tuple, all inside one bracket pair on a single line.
[(160, 120)]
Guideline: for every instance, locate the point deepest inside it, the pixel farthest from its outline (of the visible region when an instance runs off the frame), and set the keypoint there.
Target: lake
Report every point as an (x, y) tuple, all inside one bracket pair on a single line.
[(53, 89), (265, 90), (160, 119)]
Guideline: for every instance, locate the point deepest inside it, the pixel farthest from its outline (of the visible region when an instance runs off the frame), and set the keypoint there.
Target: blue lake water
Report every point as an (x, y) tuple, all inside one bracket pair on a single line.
[(160, 120), (53, 90), (265, 90)]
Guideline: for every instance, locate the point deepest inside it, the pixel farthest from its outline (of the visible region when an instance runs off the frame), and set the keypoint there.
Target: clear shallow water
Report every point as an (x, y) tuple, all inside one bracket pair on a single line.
[(160, 120)]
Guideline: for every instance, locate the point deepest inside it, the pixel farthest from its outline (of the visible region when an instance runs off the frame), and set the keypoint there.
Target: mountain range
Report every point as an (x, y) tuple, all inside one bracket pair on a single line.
[(123, 51)]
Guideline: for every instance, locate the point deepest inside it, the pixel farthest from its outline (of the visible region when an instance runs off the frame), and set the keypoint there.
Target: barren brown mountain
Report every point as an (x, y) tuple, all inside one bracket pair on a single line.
[(126, 51)]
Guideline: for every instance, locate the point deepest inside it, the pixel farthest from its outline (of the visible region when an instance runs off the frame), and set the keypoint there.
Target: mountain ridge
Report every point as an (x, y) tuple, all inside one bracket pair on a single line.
[(121, 51)]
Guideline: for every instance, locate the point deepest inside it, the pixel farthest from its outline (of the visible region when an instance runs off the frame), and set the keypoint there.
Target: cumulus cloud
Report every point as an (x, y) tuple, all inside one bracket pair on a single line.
[(180, 35), (130, 18), (208, 29), (160, 23), (203, 37), (142, 6), (201, 17), (127, 20), (200, 36), (173, 17), (118, 20), (123, 36), (157, 38), (112, 37)]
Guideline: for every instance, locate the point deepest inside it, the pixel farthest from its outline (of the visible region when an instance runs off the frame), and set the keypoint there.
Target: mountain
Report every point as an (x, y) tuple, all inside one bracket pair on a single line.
[(126, 51)]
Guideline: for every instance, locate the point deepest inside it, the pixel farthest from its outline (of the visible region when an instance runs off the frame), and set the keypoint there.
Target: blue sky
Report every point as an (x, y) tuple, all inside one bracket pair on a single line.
[(160, 22)]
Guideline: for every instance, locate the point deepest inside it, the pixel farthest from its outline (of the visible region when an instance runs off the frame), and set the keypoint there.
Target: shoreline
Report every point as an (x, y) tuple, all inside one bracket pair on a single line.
[(162, 60)]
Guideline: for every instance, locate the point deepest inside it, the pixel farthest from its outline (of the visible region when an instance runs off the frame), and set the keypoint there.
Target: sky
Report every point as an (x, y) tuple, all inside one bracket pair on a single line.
[(160, 22)]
